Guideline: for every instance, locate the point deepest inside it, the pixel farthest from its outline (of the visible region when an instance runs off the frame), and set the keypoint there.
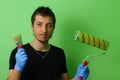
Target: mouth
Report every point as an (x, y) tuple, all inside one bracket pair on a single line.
[(44, 35)]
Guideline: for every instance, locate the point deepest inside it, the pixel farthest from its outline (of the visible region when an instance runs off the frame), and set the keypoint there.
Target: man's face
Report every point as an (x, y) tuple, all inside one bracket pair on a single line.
[(43, 28)]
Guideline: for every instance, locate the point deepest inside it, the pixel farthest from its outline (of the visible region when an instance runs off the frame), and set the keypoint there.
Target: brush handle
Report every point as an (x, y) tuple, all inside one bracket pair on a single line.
[(19, 46)]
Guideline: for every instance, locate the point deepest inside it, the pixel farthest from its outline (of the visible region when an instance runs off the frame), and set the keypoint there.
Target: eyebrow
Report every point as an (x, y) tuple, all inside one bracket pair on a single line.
[(47, 23)]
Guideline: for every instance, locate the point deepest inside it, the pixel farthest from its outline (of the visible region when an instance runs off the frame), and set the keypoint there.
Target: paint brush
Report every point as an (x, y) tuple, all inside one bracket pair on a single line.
[(18, 40)]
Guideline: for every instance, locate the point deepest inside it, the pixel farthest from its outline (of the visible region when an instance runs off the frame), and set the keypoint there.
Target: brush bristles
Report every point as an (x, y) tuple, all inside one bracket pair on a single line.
[(18, 39)]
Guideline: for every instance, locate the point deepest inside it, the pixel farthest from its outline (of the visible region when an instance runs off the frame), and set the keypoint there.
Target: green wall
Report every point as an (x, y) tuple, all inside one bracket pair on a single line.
[(100, 18)]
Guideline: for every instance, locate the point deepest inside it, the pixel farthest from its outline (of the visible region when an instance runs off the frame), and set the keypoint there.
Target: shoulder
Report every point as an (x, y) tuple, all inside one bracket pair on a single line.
[(56, 48), (27, 45)]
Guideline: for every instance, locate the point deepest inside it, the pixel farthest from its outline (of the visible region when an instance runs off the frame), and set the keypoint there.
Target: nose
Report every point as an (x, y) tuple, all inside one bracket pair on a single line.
[(44, 28)]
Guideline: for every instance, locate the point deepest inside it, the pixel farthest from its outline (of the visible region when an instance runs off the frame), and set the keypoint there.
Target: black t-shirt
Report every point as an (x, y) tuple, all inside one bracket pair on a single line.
[(37, 68)]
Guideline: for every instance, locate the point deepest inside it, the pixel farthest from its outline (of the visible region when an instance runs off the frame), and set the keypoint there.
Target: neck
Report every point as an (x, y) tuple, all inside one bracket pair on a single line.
[(40, 46)]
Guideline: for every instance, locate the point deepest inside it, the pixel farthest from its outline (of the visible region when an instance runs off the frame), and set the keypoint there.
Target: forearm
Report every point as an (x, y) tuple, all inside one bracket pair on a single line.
[(14, 75)]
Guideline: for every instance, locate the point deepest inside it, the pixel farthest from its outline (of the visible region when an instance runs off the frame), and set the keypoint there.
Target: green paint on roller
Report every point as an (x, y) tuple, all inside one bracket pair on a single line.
[(91, 40)]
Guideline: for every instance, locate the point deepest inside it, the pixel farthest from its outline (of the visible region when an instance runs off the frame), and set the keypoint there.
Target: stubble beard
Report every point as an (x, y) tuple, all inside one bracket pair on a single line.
[(42, 41)]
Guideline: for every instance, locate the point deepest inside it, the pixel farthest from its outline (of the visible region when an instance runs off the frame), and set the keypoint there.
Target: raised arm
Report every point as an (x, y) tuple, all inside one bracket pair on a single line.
[(21, 58)]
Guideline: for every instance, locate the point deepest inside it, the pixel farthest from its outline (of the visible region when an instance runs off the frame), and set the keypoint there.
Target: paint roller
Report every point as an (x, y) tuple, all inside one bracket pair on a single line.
[(93, 41)]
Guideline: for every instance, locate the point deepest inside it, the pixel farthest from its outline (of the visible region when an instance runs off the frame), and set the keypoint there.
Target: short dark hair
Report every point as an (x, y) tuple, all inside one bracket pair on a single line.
[(44, 11)]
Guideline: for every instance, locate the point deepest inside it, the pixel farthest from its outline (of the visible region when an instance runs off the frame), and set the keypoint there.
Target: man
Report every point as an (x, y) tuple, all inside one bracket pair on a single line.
[(39, 60)]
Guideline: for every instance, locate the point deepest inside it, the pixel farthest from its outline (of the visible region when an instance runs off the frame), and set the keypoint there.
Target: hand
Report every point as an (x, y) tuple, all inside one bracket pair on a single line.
[(21, 58), (82, 71)]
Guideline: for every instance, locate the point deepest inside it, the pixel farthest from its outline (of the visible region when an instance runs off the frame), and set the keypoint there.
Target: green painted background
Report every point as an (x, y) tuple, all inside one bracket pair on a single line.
[(100, 18)]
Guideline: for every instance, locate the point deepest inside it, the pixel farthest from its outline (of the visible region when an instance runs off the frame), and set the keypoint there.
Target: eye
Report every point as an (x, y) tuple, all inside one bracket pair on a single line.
[(50, 25), (39, 24)]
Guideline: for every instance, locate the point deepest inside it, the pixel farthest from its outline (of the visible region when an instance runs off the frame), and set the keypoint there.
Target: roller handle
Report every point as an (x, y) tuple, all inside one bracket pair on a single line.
[(85, 63), (80, 78)]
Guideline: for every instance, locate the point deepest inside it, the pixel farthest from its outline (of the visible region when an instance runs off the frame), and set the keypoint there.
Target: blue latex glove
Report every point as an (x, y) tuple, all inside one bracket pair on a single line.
[(21, 58), (82, 71)]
